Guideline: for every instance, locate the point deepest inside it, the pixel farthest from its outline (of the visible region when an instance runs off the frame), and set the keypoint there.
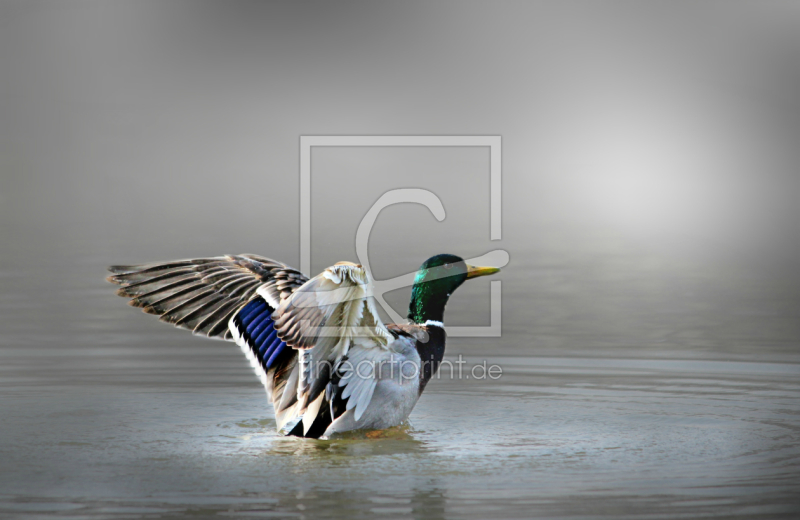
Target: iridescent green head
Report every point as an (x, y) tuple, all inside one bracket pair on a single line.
[(436, 280)]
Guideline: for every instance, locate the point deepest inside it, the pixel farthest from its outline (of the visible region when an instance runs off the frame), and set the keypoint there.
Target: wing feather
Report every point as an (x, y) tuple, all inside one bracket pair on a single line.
[(296, 332), (202, 294), (220, 298), (336, 304), (328, 317)]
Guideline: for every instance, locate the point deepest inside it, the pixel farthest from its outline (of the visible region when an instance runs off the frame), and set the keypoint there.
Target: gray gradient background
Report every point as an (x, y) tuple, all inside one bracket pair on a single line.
[(167, 122), (651, 170)]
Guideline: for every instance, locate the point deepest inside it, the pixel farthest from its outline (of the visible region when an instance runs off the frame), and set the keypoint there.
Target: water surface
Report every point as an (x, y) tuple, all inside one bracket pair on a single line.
[(626, 392)]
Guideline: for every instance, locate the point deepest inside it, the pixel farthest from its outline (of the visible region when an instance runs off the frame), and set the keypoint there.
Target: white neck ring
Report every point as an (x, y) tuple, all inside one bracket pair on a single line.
[(434, 323)]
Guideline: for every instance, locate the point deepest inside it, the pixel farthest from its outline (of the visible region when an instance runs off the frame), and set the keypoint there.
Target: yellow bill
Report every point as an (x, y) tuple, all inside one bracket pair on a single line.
[(476, 271)]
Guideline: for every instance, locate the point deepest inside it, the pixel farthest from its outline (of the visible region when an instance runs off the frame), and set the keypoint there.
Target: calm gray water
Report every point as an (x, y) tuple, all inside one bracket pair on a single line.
[(633, 387)]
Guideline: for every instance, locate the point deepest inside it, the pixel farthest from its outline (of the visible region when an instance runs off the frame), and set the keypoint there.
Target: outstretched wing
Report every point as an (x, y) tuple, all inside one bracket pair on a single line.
[(267, 307), (324, 319), (203, 294), (330, 311), (230, 297)]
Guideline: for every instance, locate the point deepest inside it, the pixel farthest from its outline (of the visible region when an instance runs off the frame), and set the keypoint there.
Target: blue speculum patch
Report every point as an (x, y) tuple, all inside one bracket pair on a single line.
[(258, 331)]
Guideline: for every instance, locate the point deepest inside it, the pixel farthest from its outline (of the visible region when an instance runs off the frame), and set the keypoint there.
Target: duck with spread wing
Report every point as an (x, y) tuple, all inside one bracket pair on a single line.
[(328, 362)]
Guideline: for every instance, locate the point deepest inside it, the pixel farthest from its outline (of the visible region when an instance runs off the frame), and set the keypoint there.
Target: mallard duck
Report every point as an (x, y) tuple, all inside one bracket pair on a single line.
[(328, 362)]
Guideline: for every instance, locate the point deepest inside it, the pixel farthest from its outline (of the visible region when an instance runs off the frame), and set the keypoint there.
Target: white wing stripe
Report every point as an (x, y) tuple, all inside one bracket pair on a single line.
[(254, 362), (263, 291)]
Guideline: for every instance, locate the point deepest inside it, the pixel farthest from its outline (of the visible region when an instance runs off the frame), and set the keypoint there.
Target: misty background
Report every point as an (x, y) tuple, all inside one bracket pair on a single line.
[(651, 170), (651, 120), (135, 132)]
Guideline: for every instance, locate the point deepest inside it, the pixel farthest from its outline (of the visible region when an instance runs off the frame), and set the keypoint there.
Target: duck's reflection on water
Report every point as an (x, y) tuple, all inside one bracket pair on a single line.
[(399, 440)]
